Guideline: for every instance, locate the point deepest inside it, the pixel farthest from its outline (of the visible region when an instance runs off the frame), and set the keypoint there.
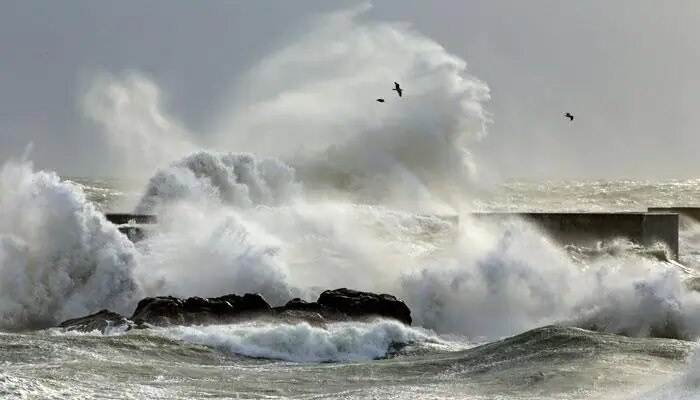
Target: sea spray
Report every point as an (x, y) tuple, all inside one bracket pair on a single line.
[(240, 180), (202, 252), (308, 104), (59, 257), (481, 279), (127, 110), (334, 190)]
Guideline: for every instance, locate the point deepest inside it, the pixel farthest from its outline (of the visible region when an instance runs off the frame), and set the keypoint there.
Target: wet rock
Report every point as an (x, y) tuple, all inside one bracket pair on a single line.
[(299, 304), (168, 310), (311, 312), (347, 304), (297, 316), (356, 304), (103, 321), (332, 306)]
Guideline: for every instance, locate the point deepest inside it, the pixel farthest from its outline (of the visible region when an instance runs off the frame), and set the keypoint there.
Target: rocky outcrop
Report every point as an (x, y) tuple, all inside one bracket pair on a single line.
[(332, 306), (103, 321), (360, 304), (311, 312), (347, 304), (168, 310)]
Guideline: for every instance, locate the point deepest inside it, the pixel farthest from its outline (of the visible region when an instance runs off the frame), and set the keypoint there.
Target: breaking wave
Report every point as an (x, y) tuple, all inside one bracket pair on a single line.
[(323, 191), (59, 257), (239, 180), (338, 342)]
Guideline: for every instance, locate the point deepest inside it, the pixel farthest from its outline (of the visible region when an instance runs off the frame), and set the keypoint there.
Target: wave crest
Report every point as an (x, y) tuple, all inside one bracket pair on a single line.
[(240, 180), (337, 342), (59, 257)]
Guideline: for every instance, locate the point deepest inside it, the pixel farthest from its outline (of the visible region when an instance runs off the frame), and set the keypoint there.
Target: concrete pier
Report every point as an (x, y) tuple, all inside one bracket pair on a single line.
[(690, 212), (643, 228), (124, 218)]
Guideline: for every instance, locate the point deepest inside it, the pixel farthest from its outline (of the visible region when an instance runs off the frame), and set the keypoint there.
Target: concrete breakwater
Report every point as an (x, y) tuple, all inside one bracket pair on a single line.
[(642, 228), (125, 218), (690, 212), (132, 225), (658, 225)]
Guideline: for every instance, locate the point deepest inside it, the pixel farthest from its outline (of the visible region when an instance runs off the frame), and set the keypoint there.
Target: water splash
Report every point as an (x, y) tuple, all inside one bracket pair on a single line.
[(59, 257)]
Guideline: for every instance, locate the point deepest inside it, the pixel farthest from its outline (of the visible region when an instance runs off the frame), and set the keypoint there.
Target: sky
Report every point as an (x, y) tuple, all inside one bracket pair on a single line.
[(628, 71)]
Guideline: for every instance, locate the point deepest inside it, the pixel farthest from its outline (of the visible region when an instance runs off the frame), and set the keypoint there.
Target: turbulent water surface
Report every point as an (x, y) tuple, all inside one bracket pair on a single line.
[(296, 190), (463, 305)]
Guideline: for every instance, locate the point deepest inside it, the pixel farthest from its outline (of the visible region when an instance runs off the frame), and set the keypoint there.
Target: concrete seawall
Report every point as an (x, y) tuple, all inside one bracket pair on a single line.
[(643, 228), (586, 228), (124, 218), (690, 212)]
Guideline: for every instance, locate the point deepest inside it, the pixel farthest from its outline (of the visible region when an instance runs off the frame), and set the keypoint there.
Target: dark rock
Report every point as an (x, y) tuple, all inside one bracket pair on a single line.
[(247, 302), (99, 321), (355, 304), (168, 310), (346, 304), (296, 316), (299, 304), (314, 313), (332, 306)]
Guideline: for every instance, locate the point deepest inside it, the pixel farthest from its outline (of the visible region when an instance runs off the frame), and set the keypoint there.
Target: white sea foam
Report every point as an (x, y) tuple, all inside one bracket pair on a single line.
[(127, 109), (59, 257), (338, 342)]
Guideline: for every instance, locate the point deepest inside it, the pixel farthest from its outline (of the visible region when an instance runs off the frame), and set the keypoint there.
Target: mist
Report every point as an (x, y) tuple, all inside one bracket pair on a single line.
[(626, 70)]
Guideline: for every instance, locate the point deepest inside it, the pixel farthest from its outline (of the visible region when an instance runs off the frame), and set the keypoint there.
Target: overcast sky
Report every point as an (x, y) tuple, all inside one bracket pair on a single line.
[(627, 69)]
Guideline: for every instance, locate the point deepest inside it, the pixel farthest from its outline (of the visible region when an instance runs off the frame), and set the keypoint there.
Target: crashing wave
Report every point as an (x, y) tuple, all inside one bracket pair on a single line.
[(59, 257), (240, 180), (302, 342)]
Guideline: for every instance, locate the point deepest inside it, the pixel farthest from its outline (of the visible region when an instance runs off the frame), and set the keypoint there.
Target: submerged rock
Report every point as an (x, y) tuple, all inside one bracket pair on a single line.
[(102, 321)]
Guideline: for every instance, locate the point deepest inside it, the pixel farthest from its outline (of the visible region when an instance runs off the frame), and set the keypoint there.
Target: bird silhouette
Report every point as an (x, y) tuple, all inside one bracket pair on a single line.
[(380, 100), (569, 116), (398, 89)]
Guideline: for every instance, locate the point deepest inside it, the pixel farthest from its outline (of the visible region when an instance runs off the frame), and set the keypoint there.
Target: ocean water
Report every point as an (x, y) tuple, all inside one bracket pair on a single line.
[(294, 190), (499, 327)]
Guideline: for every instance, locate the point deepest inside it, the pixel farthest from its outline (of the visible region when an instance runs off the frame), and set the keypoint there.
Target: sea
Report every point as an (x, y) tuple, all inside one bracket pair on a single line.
[(498, 321), (302, 182)]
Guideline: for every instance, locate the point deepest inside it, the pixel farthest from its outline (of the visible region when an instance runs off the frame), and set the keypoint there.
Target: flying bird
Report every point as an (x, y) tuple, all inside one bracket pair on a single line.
[(397, 88), (569, 116), (380, 100)]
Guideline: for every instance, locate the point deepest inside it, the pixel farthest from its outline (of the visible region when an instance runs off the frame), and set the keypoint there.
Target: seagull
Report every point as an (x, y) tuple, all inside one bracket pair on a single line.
[(380, 100), (397, 88), (569, 116)]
